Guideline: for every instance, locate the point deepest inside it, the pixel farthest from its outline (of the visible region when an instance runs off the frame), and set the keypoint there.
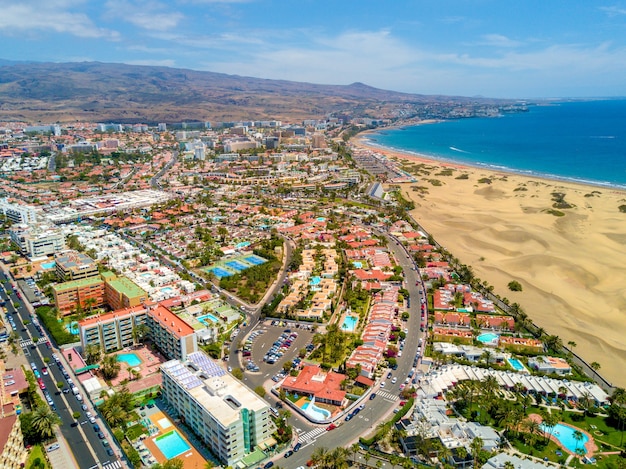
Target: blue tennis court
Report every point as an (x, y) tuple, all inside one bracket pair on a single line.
[(219, 272), (255, 260), (237, 265)]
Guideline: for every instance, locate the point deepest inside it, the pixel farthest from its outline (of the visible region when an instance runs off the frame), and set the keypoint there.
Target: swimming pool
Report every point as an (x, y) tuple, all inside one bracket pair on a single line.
[(167, 289), (48, 265), (315, 280), (349, 324), (242, 245), (488, 338), (516, 364), (565, 435), (210, 317), (72, 328), (171, 444), (357, 264), (129, 358), (316, 413)]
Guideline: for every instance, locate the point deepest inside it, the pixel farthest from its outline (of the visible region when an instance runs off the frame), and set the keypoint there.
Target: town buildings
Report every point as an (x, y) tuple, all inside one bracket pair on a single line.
[(37, 240)]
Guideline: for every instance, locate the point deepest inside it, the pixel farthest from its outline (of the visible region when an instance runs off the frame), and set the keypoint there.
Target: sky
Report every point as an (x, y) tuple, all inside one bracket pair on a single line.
[(491, 48)]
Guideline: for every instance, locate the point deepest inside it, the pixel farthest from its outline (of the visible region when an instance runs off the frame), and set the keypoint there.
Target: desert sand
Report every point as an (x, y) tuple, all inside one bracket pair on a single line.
[(571, 267)]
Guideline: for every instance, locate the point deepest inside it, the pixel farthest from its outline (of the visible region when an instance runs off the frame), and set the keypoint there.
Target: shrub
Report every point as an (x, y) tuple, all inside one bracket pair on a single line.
[(514, 285)]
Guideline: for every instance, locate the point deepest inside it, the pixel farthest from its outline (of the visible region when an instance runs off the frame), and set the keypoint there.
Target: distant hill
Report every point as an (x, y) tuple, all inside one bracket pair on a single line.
[(94, 91)]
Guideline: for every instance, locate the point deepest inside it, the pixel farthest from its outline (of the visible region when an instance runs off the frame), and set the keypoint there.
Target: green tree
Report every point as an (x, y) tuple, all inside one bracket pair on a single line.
[(260, 390), (110, 366), (44, 421), (92, 353)]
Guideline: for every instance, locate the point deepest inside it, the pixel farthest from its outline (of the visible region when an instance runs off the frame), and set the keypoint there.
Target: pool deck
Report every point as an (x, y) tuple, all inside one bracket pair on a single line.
[(191, 458), (590, 446), (148, 368)]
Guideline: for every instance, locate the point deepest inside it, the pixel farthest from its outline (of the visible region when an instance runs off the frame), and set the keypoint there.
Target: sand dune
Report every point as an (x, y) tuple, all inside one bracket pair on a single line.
[(570, 266)]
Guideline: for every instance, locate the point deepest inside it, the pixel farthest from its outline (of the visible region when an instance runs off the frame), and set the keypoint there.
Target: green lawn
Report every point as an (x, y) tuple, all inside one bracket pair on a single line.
[(602, 432), (541, 450), (37, 458)]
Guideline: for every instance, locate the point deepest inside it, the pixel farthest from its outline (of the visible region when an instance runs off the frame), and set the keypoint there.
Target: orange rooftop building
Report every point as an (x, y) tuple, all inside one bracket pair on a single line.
[(313, 382)]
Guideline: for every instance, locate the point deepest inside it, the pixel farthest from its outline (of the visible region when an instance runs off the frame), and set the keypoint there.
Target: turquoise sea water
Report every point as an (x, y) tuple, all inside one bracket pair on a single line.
[(579, 141)]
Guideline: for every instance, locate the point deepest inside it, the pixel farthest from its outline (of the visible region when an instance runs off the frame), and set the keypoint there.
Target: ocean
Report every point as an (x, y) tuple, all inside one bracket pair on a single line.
[(581, 142)]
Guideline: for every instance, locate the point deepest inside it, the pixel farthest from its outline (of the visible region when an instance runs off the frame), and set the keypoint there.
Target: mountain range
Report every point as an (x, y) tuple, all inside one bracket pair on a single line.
[(95, 91)]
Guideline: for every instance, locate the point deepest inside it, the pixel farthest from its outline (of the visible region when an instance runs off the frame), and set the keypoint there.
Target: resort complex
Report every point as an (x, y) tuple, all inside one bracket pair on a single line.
[(266, 294)]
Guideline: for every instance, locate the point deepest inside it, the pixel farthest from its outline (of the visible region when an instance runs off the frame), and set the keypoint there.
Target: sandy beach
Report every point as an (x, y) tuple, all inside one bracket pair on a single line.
[(571, 267)]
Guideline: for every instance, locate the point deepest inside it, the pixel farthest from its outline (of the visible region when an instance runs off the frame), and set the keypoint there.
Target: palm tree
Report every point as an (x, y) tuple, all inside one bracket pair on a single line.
[(550, 421), (355, 451), (44, 421), (509, 465), (93, 354), (476, 447), (618, 398), (110, 366), (578, 436), (320, 456)]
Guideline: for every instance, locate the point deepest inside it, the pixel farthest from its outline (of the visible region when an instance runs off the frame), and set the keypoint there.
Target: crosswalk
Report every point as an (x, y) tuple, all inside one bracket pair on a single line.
[(387, 395), (26, 342), (310, 435), (112, 465)]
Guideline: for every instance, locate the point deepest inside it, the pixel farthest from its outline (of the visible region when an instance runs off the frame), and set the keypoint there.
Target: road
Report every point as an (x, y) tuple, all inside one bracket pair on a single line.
[(81, 438), (154, 182), (379, 409)]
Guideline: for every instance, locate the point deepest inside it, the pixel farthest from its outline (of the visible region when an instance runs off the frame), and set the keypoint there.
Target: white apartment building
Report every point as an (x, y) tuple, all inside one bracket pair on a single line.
[(37, 240), (230, 418), (18, 213)]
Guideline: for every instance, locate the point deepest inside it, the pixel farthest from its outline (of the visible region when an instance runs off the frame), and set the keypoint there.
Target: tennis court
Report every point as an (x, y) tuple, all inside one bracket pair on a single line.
[(219, 272), (255, 260), (237, 265)]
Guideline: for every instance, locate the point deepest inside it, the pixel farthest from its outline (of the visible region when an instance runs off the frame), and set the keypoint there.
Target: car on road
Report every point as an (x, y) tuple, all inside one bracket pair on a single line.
[(389, 375), (348, 417), (53, 447), (289, 453), (372, 396), (297, 447), (101, 435), (332, 426), (110, 452), (44, 370)]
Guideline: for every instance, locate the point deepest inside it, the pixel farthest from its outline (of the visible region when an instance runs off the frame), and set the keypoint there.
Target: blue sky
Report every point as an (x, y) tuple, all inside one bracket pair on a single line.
[(497, 48)]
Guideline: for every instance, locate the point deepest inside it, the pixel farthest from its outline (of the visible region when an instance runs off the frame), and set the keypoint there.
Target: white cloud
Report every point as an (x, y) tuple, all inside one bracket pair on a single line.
[(498, 40), (614, 11), (34, 17), (382, 60), (152, 16)]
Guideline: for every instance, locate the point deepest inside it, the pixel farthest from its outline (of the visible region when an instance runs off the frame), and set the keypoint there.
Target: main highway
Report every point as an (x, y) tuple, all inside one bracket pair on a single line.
[(86, 446)]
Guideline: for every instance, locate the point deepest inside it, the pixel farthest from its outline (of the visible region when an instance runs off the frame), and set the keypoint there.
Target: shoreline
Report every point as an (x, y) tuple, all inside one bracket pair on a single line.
[(569, 260), (362, 141)]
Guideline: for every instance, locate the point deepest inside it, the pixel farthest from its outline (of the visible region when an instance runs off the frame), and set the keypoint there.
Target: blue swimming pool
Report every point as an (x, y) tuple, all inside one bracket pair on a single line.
[(516, 364), (565, 435), (72, 328), (357, 264), (488, 338), (210, 317), (315, 280), (349, 324), (48, 265), (316, 413), (131, 359), (171, 444)]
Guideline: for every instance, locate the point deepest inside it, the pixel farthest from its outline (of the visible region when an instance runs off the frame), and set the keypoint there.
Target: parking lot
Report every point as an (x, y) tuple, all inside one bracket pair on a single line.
[(277, 344)]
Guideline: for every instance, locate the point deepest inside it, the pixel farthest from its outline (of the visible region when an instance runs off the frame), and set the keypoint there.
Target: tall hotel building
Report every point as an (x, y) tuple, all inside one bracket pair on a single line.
[(116, 330), (228, 417)]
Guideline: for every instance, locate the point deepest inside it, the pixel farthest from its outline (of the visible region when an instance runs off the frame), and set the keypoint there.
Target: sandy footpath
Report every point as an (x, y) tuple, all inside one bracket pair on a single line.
[(571, 267)]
